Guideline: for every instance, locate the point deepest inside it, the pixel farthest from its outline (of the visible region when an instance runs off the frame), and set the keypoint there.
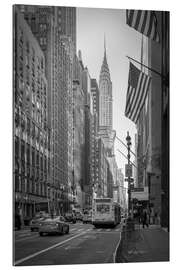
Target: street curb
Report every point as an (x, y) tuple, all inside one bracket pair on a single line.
[(119, 242), (115, 253)]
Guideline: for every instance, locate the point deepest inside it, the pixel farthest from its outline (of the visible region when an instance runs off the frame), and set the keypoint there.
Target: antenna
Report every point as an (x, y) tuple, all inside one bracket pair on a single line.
[(104, 44)]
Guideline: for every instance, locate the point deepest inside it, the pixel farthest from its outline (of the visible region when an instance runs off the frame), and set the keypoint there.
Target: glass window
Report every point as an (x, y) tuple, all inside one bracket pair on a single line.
[(103, 208)]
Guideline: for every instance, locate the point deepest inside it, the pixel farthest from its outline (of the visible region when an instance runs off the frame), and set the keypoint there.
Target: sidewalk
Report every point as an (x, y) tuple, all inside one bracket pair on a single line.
[(23, 229), (144, 245)]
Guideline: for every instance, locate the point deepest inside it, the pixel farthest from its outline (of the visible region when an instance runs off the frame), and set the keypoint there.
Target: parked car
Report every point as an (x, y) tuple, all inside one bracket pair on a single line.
[(70, 217), (17, 222), (56, 225), (36, 221)]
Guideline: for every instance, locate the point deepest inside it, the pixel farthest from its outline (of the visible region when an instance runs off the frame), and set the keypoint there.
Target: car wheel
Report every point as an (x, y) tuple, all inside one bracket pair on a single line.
[(41, 233), (32, 230)]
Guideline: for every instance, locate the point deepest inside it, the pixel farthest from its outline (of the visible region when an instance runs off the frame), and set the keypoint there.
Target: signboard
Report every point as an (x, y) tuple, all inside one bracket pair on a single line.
[(128, 170), (141, 195)]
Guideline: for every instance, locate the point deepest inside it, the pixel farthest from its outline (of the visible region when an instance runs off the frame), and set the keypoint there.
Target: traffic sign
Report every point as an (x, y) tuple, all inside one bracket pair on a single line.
[(128, 170)]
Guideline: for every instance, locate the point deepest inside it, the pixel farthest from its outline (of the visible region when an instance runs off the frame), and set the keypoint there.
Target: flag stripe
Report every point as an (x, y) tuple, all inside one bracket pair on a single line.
[(150, 25), (134, 18), (139, 14), (147, 23), (128, 97), (130, 100), (131, 14), (138, 94), (141, 21), (138, 86), (141, 99), (144, 22)]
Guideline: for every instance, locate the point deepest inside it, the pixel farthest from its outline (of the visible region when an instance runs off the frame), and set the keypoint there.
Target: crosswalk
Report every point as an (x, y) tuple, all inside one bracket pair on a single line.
[(95, 230), (74, 229)]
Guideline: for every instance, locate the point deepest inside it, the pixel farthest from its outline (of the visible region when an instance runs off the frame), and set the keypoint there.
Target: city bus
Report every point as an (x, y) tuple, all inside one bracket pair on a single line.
[(105, 212)]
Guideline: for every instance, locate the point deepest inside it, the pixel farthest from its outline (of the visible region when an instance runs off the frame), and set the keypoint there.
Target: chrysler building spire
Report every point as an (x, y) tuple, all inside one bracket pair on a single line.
[(104, 46)]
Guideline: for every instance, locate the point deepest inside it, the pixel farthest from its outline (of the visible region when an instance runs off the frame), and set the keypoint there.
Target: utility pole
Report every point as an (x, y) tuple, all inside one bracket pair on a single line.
[(128, 139)]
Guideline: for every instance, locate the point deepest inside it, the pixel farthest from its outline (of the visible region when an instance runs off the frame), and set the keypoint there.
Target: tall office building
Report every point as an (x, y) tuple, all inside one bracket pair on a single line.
[(55, 30), (65, 19), (105, 107), (106, 133), (31, 134), (105, 94)]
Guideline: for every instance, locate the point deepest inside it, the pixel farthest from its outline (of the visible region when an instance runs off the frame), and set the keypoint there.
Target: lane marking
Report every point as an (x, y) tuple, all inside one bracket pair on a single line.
[(99, 230), (46, 249), (108, 230), (115, 252), (80, 230)]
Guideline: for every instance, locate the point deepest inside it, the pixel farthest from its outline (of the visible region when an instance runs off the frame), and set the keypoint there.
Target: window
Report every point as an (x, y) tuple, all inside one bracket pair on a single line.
[(103, 208)]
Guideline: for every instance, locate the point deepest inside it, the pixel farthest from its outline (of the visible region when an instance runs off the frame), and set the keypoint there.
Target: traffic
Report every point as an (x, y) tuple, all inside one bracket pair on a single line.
[(104, 212)]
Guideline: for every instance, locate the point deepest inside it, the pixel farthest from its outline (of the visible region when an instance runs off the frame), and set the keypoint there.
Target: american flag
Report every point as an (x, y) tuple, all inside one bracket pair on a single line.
[(144, 21), (138, 86)]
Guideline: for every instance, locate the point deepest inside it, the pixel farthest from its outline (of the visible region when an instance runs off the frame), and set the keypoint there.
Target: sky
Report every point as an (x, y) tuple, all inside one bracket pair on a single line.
[(121, 40)]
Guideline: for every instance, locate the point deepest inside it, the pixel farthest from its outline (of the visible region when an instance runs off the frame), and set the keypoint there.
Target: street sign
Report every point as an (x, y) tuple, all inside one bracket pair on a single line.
[(128, 170)]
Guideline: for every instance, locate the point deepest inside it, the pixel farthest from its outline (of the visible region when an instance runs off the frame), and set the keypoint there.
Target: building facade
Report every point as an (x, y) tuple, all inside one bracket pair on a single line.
[(153, 126), (79, 140), (31, 133), (86, 85), (55, 30), (105, 95), (101, 185)]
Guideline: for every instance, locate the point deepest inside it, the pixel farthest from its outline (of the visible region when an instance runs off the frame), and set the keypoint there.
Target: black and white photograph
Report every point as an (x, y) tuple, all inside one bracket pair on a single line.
[(90, 135)]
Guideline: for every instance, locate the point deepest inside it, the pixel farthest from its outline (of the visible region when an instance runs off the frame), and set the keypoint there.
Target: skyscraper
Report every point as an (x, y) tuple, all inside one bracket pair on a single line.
[(31, 133), (105, 107), (105, 94), (55, 30)]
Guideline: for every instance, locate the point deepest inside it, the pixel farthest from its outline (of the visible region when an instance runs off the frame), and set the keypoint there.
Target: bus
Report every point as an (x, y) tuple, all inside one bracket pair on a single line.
[(105, 212)]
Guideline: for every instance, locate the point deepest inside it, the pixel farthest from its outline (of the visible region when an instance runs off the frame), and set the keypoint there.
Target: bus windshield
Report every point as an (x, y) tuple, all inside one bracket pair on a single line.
[(103, 208)]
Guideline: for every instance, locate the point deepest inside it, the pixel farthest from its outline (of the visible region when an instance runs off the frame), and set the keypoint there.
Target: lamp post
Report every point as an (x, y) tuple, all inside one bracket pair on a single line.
[(128, 139)]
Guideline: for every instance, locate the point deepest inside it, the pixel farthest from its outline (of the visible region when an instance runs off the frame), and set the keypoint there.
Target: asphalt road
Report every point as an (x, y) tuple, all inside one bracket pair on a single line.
[(83, 245)]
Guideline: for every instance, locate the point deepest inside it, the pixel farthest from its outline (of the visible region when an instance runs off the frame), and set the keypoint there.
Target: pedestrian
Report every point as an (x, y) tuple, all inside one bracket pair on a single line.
[(145, 219)]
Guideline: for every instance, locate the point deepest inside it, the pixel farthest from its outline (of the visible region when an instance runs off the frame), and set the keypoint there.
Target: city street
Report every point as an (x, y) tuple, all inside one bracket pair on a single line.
[(83, 245), (90, 135)]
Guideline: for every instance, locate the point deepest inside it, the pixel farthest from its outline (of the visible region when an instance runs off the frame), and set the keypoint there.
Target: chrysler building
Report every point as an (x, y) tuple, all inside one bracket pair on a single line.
[(105, 95), (106, 131)]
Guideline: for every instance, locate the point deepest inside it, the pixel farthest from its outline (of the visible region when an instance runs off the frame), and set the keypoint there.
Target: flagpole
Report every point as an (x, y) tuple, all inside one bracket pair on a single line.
[(127, 158), (153, 70)]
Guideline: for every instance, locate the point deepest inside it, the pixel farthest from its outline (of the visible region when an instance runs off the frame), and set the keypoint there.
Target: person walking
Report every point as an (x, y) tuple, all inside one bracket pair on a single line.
[(145, 219)]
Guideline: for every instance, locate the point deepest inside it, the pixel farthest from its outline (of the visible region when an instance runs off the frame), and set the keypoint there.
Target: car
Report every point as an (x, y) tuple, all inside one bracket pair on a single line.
[(87, 218), (36, 221), (70, 217), (56, 225), (79, 216), (17, 222)]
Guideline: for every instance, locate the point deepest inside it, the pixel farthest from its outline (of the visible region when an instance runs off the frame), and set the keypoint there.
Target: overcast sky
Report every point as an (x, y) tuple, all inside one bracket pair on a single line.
[(121, 40)]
